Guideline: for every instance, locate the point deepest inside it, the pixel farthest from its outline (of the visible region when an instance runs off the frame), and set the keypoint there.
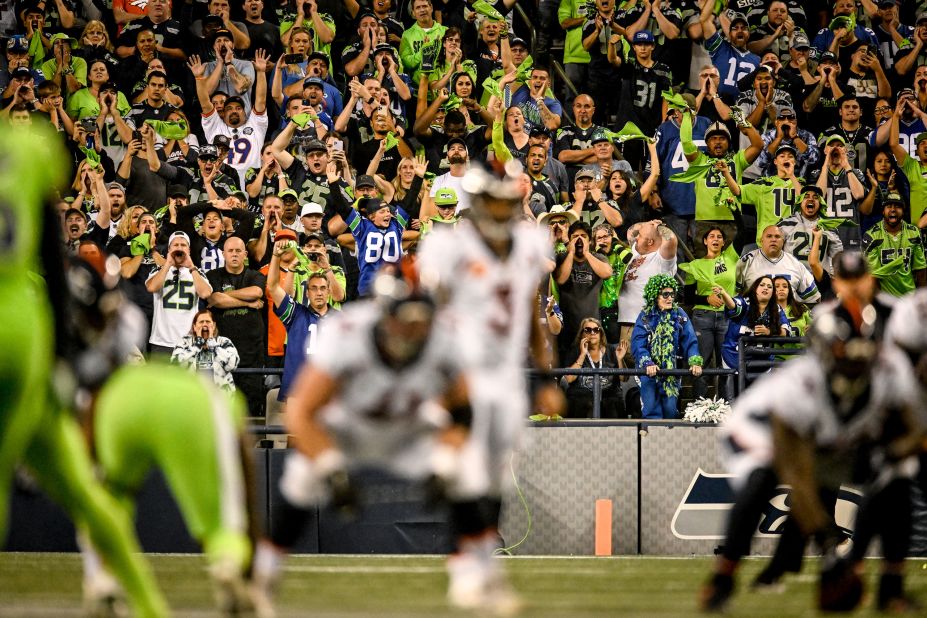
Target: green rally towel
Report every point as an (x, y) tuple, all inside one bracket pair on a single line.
[(169, 129)]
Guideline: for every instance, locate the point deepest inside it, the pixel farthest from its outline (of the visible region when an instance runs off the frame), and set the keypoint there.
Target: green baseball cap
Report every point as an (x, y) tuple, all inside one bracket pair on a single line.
[(920, 138), (835, 138), (445, 197), (288, 193)]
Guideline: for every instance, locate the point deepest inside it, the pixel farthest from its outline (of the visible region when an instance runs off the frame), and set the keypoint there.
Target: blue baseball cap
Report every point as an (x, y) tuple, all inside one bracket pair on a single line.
[(642, 37), (17, 44)]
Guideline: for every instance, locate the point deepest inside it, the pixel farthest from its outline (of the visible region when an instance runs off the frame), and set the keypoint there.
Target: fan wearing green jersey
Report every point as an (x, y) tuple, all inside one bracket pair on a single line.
[(914, 170), (714, 202), (772, 196), (895, 251), (33, 427)]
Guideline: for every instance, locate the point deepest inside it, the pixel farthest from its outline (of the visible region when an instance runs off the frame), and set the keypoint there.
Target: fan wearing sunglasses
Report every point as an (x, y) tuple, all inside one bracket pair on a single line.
[(593, 352), (663, 333)]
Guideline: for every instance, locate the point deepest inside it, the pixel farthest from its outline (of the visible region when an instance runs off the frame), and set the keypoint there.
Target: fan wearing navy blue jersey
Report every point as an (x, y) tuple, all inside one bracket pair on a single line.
[(377, 226), (302, 322), (730, 55)]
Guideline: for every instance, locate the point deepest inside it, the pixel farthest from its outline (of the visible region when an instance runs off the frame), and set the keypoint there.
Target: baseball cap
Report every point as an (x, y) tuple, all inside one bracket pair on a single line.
[(369, 205), (221, 32), (363, 14), (311, 208), (828, 57), (584, 172), (115, 185), (457, 140), (21, 73), (806, 189), (221, 141), (384, 47), (363, 180), (234, 99), (177, 191), (786, 112), (835, 138), (210, 209), (207, 151), (736, 17), (718, 127), (109, 86), (17, 44), (60, 36), (445, 197), (517, 42), (786, 148), (215, 20), (922, 16), (884, 4), (318, 55), (920, 138), (643, 37), (558, 210), (800, 40), (538, 131), (599, 136), (315, 145), (304, 238), (893, 197), (313, 81), (182, 235), (288, 193)]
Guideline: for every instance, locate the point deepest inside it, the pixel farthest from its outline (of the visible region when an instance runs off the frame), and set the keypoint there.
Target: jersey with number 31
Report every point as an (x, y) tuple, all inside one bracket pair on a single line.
[(490, 298)]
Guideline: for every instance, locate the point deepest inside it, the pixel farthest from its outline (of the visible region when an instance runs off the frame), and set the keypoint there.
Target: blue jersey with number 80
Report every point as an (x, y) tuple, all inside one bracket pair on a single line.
[(376, 246)]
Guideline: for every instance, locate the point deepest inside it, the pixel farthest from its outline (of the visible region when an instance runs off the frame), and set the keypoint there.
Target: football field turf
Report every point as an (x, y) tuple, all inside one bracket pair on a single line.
[(329, 586)]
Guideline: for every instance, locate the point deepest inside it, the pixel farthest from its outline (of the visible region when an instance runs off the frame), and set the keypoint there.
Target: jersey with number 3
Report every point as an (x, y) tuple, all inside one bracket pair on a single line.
[(491, 298), (245, 142), (376, 246), (174, 307)]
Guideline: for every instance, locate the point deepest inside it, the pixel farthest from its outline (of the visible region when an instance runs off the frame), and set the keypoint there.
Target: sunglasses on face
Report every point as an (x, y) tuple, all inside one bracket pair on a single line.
[(591, 330), (553, 223), (668, 294), (882, 109)]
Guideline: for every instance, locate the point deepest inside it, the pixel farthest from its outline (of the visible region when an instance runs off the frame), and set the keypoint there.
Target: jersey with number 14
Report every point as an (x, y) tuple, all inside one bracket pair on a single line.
[(773, 198), (491, 298)]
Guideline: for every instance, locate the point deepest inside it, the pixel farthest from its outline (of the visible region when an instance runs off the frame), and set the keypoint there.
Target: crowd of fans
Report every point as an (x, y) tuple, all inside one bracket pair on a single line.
[(736, 146)]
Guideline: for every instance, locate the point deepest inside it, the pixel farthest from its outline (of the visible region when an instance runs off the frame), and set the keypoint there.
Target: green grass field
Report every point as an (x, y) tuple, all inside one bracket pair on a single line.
[(328, 586)]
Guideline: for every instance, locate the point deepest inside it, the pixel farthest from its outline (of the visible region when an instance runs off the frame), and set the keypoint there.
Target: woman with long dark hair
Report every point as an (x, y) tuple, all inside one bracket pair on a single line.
[(203, 350), (756, 313), (594, 352), (621, 187)]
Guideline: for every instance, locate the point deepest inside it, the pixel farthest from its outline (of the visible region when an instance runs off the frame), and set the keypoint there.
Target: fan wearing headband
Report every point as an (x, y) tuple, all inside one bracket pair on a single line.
[(663, 332)]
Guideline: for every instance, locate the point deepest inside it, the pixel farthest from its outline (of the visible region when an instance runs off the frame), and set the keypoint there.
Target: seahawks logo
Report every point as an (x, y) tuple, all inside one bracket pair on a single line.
[(702, 513)]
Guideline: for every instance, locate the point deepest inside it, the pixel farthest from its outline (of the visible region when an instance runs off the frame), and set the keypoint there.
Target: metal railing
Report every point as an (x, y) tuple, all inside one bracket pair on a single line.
[(757, 355)]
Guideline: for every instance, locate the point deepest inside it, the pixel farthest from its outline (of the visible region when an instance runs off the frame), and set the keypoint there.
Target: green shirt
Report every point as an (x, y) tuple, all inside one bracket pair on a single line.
[(83, 104), (881, 250), (917, 178), (774, 199), (706, 273), (317, 43), (709, 205), (573, 51), (420, 46), (78, 64)]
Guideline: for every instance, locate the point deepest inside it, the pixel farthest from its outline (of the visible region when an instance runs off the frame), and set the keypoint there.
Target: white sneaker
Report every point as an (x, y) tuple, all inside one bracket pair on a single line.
[(232, 592), (467, 582), (500, 599), (103, 597)]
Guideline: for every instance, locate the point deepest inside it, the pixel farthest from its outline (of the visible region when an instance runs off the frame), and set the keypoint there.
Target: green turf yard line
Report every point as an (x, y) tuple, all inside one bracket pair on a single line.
[(414, 586)]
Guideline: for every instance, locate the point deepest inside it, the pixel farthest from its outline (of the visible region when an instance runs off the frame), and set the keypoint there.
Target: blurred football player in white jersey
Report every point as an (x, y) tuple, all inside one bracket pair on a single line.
[(385, 389), (826, 408), (485, 273)]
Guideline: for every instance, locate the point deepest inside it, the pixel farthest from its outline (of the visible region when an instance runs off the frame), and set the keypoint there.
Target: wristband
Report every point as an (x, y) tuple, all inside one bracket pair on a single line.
[(370, 101)]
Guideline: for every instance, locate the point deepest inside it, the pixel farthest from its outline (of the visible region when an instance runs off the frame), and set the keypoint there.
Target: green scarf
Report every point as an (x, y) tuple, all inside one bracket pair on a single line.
[(674, 100), (697, 274), (523, 72), (302, 120), (482, 7), (140, 245), (453, 102), (169, 129), (663, 352), (887, 270), (491, 86), (92, 156), (628, 132), (832, 223), (36, 50), (843, 21), (390, 141)]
